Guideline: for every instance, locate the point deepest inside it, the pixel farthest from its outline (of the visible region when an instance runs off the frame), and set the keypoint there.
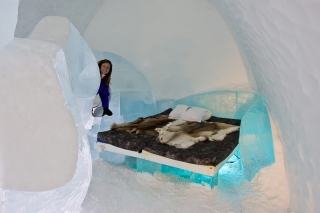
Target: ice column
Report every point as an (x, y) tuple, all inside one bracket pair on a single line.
[(78, 79), (256, 144)]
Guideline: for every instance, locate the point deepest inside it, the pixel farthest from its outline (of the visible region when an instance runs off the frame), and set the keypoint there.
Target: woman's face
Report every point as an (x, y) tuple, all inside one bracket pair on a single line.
[(105, 68)]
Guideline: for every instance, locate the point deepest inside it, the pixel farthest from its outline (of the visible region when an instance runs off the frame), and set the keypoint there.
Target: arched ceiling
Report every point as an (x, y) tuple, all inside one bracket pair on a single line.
[(79, 12)]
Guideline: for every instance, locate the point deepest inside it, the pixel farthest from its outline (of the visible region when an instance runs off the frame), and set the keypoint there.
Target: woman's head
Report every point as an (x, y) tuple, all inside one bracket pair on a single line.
[(105, 68)]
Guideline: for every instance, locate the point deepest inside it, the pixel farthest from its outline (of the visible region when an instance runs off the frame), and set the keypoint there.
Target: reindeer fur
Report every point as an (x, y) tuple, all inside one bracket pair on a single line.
[(179, 133), (146, 126), (183, 134)]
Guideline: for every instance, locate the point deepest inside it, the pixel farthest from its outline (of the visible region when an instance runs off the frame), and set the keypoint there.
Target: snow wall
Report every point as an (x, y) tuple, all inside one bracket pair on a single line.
[(44, 151)]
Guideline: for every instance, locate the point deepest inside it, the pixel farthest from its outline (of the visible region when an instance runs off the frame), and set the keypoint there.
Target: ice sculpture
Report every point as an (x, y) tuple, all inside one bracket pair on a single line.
[(53, 84), (83, 74), (256, 144)]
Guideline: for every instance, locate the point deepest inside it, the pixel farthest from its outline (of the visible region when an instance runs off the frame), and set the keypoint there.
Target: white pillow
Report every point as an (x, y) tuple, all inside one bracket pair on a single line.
[(188, 113), (178, 111)]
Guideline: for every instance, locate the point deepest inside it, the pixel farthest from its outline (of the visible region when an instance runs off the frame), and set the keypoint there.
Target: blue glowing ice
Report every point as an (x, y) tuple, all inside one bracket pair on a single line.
[(141, 165), (256, 144)]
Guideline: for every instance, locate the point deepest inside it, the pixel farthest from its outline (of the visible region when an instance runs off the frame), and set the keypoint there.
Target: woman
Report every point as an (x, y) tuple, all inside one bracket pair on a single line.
[(105, 67)]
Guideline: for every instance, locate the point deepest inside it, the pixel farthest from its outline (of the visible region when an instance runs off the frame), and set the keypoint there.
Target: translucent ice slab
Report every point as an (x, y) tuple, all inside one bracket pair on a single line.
[(142, 165), (82, 73), (222, 103), (256, 144)]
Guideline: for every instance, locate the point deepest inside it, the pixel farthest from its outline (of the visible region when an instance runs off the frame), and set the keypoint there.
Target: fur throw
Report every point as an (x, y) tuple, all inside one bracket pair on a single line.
[(178, 133), (146, 126), (183, 134)]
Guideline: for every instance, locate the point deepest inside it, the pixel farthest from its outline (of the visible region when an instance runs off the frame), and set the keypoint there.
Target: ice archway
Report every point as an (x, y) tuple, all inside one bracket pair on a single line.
[(279, 45)]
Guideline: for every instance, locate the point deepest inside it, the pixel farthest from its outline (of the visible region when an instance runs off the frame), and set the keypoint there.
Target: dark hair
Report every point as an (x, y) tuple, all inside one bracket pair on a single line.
[(106, 79)]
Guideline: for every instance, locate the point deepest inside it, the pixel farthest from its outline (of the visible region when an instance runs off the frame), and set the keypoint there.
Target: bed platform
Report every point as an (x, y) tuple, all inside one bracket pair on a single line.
[(199, 163)]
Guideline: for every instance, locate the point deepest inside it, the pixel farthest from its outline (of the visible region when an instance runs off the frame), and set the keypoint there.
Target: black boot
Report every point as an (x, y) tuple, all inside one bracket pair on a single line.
[(106, 111)]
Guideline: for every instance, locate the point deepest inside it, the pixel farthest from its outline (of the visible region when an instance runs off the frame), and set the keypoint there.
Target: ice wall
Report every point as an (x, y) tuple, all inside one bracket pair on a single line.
[(8, 20), (256, 143), (280, 44), (182, 44), (49, 85)]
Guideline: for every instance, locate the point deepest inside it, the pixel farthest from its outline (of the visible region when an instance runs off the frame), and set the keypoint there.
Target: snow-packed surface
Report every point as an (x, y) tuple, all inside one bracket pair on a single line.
[(280, 46), (116, 188)]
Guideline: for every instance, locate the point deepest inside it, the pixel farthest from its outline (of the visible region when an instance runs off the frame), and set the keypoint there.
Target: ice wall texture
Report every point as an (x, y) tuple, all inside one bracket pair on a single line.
[(83, 75), (135, 95), (182, 47), (280, 44), (8, 20), (79, 12), (69, 196), (256, 143)]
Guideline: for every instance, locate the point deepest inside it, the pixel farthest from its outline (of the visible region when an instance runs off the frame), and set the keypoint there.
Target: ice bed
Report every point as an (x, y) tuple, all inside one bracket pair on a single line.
[(202, 160)]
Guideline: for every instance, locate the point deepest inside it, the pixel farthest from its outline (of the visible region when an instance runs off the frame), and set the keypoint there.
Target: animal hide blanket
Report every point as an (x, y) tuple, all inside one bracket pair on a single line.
[(183, 134), (178, 133), (204, 153), (144, 126)]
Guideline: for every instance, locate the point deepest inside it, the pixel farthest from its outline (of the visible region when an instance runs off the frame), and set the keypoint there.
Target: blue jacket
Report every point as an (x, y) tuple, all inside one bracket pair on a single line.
[(104, 93)]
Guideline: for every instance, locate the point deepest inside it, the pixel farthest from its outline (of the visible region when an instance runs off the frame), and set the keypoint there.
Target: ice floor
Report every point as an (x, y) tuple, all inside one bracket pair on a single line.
[(119, 189)]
